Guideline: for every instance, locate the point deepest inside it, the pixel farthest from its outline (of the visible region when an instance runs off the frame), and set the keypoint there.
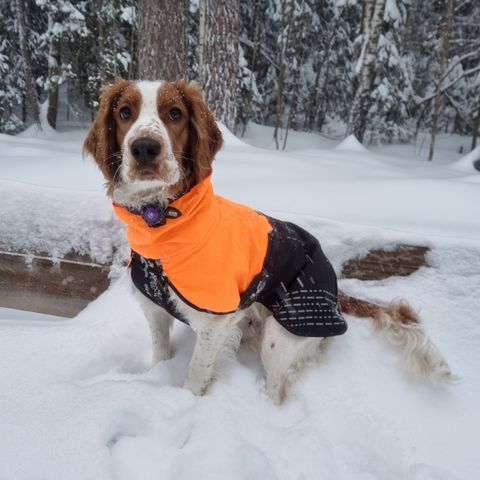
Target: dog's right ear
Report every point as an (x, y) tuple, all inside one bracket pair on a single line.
[(101, 141)]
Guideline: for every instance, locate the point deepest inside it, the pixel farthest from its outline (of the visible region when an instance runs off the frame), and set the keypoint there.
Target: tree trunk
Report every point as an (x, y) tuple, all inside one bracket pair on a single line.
[(52, 106), (286, 27), (219, 31), (372, 20), (53, 74), (115, 33), (438, 100), (32, 103), (100, 50), (202, 7), (476, 129), (300, 58), (256, 49), (162, 39)]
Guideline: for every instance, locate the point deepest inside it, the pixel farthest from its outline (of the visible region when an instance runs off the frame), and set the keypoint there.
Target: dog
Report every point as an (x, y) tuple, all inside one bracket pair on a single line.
[(227, 271)]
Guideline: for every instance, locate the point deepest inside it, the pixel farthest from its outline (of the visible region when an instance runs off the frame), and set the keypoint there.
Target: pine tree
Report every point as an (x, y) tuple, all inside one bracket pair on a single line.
[(252, 40), (65, 23), (329, 89), (392, 96), (106, 52)]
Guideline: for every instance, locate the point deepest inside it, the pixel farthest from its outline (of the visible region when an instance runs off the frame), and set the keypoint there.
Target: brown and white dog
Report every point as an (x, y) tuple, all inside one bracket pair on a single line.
[(155, 140)]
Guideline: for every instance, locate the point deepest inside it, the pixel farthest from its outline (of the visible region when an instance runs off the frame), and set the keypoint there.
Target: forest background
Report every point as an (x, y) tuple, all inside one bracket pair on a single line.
[(384, 70)]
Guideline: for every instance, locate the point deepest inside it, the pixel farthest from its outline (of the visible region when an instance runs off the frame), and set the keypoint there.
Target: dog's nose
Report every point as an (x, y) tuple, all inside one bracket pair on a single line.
[(145, 150)]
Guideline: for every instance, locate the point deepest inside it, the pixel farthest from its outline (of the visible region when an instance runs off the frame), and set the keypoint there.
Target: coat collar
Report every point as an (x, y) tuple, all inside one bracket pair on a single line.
[(188, 220)]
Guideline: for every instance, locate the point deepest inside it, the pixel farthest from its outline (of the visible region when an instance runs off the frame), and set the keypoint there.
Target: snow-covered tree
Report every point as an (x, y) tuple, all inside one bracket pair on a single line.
[(106, 52), (329, 78), (384, 70), (392, 95), (65, 25)]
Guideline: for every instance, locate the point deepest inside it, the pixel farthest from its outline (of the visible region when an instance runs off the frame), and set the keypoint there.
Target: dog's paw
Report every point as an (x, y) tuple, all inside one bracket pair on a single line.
[(275, 390), (197, 388)]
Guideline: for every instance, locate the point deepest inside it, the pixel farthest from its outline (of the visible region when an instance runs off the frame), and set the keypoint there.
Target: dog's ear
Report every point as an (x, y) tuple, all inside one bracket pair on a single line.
[(205, 138), (101, 141)]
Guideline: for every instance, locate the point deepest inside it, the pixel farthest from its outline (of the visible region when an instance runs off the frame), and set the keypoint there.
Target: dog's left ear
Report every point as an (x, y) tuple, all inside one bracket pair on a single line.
[(205, 138), (101, 141)]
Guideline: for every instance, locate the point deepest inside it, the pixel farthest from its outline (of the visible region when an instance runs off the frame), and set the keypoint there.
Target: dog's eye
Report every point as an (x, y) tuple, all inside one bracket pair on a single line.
[(175, 114), (125, 113)]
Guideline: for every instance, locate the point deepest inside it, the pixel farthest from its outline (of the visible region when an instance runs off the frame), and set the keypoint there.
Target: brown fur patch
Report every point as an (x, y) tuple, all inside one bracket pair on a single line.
[(358, 308), (403, 313), (205, 138), (102, 141)]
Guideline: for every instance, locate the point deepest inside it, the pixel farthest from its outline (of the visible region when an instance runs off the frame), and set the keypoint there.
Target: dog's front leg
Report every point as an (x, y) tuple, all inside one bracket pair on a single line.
[(215, 334), (160, 323)]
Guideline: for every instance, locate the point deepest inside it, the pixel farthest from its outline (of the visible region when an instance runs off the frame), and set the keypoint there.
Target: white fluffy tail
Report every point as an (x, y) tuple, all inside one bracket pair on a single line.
[(401, 326)]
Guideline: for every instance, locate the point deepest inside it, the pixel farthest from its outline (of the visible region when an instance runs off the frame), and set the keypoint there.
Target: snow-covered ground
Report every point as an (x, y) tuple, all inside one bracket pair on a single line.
[(78, 399)]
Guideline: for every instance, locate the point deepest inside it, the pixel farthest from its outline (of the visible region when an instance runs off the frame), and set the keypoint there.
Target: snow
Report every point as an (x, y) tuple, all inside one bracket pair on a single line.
[(11, 314), (465, 164), (52, 200), (79, 400), (392, 13), (351, 143)]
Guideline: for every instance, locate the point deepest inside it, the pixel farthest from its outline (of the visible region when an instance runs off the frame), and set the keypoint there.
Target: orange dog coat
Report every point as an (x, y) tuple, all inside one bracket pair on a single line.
[(219, 256), (211, 253)]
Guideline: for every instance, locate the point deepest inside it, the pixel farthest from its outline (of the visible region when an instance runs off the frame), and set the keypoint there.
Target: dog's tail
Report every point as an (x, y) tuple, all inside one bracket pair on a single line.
[(401, 326)]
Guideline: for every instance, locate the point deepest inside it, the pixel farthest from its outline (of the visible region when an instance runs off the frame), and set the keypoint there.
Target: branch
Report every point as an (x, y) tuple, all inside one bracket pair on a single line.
[(459, 60), (459, 7), (454, 104), (263, 52), (466, 73)]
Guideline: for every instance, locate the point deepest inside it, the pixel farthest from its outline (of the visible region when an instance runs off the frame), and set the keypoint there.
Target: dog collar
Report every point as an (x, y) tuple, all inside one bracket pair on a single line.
[(155, 215)]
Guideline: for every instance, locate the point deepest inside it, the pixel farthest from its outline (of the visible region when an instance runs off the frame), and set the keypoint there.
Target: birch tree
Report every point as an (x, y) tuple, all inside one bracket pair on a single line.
[(372, 18)]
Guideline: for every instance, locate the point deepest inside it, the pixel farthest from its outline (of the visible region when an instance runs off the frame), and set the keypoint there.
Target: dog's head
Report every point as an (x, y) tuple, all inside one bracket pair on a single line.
[(151, 135)]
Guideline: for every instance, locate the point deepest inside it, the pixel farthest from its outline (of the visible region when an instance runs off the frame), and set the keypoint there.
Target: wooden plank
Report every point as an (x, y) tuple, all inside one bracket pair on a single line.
[(383, 263), (39, 284)]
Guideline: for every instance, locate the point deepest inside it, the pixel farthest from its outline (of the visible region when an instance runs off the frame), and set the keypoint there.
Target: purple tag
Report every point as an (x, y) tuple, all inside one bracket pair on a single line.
[(153, 215), (156, 216)]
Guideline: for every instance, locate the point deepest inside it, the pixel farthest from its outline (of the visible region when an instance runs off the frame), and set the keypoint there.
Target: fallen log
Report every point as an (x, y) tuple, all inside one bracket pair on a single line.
[(64, 287), (41, 284)]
